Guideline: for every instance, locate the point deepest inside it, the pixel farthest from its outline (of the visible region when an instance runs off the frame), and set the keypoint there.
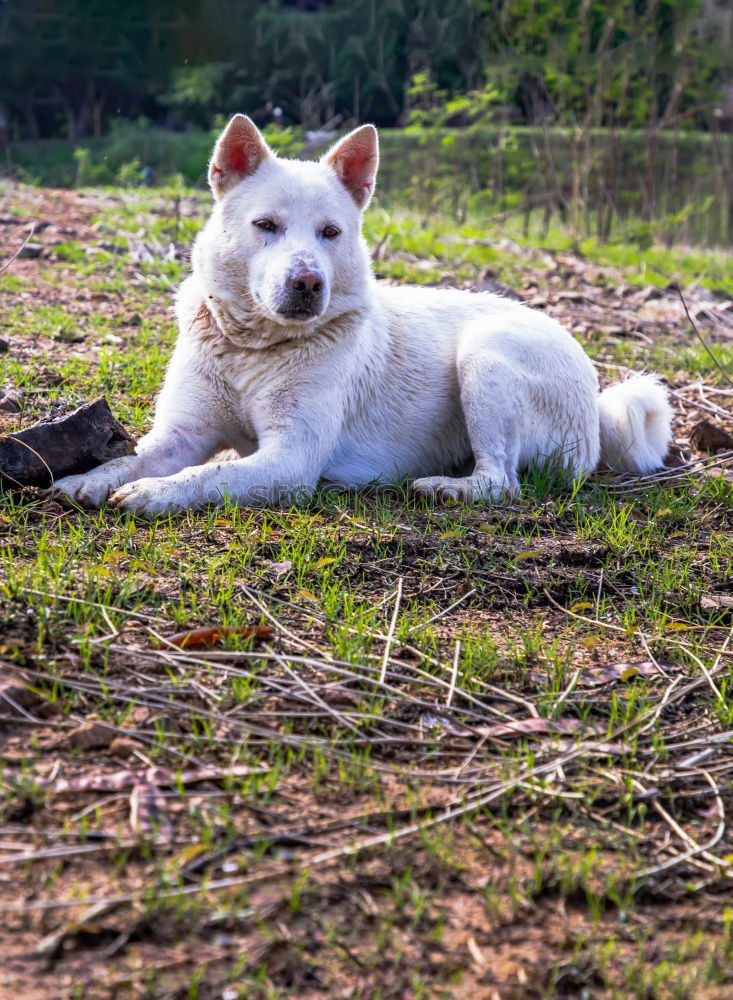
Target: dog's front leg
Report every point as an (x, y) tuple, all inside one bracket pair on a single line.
[(187, 429), (159, 454), (286, 466)]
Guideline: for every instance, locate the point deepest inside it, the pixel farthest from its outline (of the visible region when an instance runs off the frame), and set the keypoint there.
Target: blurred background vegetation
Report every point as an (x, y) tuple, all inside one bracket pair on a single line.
[(610, 118)]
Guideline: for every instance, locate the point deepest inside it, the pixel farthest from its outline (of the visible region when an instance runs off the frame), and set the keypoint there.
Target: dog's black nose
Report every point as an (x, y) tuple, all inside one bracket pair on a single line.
[(306, 281)]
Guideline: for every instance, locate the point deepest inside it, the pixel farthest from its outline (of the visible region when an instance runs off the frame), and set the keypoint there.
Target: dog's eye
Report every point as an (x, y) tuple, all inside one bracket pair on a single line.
[(267, 224), (330, 233)]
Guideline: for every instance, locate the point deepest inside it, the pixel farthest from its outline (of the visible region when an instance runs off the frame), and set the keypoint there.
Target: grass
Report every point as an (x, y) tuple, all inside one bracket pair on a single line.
[(583, 854)]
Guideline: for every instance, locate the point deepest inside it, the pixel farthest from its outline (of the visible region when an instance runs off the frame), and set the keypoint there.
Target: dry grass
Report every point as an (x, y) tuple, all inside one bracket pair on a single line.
[(483, 752)]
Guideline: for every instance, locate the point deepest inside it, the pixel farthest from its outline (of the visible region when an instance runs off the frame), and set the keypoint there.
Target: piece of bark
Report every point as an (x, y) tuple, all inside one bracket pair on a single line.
[(74, 443), (707, 436)]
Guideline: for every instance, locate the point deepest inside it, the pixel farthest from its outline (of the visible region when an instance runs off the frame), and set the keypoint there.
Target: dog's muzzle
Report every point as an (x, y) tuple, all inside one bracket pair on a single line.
[(303, 295)]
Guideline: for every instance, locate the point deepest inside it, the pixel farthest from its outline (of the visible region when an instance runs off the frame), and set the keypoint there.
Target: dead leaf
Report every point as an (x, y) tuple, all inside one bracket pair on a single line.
[(212, 635), (307, 595), (529, 727), (502, 730), (279, 568), (92, 735), (707, 436), (121, 746), (607, 673), (716, 602)]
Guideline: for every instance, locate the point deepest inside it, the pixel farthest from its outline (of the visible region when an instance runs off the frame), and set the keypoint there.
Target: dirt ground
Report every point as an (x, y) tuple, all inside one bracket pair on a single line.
[(534, 806)]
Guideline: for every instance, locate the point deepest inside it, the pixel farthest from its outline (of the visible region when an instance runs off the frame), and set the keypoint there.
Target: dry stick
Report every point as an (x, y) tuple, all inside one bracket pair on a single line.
[(18, 252), (286, 631), (694, 466), (695, 849), (598, 594), (431, 679), (454, 674), (341, 667), (290, 739), (477, 802), (390, 633), (341, 719), (444, 612), (278, 687), (651, 655), (713, 687), (567, 692), (65, 852), (688, 688), (707, 649), (582, 618), (718, 410), (618, 628), (96, 604), (702, 340), (136, 734), (679, 394)]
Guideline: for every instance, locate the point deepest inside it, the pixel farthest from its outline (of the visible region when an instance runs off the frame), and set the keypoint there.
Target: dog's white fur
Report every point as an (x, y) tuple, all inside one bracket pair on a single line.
[(354, 381)]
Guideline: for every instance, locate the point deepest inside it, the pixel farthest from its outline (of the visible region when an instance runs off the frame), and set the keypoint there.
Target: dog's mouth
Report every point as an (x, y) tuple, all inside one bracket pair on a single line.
[(299, 314)]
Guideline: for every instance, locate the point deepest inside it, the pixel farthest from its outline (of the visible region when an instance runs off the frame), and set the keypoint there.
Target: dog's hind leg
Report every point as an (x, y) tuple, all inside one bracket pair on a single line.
[(490, 397)]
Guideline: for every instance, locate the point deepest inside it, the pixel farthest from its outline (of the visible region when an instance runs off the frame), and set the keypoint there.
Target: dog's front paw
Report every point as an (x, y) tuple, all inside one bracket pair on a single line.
[(90, 489), (149, 497)]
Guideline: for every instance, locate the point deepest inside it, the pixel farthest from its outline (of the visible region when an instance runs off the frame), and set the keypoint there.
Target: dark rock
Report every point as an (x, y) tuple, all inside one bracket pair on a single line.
[(31, 250)]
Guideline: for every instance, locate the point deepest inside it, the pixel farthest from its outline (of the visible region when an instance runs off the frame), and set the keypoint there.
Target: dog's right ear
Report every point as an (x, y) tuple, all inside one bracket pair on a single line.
[(239, 151), (355, 159)]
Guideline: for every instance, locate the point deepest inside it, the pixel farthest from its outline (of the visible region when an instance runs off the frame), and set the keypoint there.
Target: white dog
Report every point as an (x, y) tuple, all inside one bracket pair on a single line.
[(292, 354)]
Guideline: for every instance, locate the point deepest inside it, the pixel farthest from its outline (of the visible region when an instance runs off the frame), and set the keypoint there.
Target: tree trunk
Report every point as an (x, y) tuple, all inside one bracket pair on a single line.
[(31, 119)]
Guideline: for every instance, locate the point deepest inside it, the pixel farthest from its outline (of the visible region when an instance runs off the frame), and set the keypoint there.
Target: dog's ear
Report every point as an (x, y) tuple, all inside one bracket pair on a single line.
[(355, 159), (238, 153)]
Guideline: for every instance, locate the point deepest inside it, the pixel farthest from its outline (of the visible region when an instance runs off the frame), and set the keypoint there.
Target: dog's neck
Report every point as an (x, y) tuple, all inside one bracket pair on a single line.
[(224, 330)]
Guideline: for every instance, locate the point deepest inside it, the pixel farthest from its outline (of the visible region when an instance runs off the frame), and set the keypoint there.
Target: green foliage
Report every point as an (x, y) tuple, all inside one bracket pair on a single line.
[(484, 171), (64, 62), (129, 173), (71, 67)]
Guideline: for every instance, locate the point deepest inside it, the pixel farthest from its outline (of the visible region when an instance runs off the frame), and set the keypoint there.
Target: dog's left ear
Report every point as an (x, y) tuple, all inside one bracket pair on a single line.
[(355, 159), (239, 151)]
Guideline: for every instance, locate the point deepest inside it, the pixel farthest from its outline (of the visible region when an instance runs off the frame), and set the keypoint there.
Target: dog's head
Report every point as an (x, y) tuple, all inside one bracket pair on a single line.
[(284, 245)]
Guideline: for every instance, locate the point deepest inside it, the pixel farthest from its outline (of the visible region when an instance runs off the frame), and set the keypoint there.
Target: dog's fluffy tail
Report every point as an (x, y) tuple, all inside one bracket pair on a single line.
[(636, 424)]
